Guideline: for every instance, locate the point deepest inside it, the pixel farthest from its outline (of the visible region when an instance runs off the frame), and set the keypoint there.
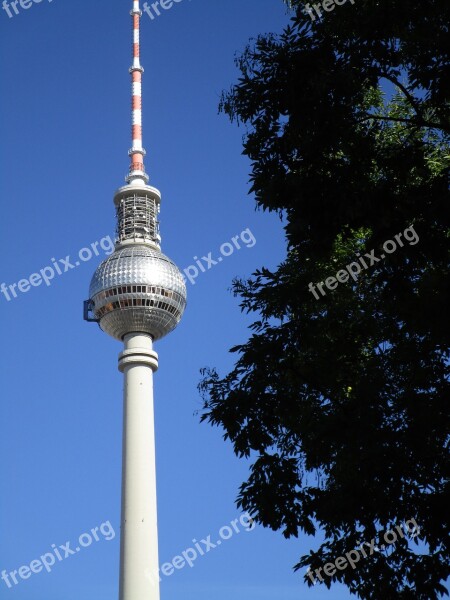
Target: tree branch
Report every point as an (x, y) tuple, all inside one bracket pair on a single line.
[(417, 122), (406, 92)]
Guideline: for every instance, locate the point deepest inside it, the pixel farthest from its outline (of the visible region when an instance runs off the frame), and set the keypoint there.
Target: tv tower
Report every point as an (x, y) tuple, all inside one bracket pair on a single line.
[(137, 295)]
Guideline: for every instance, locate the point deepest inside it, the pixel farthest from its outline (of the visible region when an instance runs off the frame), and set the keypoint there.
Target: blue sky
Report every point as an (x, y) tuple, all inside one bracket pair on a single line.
[(65, 126)]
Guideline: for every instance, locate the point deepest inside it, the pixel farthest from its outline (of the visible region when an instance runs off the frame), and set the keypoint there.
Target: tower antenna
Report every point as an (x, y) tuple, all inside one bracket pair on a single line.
[(137, 151)]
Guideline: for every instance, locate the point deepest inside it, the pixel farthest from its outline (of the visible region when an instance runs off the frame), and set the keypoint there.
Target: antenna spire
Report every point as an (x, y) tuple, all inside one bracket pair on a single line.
[(137, 169)]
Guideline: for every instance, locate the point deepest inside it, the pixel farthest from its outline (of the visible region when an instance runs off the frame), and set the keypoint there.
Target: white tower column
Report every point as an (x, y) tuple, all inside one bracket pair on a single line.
[(139, 578)]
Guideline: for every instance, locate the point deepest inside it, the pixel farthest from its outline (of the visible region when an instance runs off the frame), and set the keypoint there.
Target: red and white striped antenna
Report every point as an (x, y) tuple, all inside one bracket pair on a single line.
[(137, 172)]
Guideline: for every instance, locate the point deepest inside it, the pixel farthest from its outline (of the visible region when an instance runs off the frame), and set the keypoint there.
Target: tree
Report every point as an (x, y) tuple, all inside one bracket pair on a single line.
[(340, 395)]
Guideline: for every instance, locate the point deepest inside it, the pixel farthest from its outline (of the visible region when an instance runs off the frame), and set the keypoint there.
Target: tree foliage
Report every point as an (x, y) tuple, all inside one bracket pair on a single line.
[(341, 401)]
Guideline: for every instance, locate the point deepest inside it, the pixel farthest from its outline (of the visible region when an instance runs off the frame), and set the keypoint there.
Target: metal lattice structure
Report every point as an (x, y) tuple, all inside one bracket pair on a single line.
[(137, 218)]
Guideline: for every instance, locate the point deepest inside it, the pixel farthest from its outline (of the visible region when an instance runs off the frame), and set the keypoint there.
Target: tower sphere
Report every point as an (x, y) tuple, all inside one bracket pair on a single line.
[(137, 289)]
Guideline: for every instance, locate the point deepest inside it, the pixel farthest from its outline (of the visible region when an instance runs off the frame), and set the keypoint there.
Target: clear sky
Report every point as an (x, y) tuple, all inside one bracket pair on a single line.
[(65, 126)]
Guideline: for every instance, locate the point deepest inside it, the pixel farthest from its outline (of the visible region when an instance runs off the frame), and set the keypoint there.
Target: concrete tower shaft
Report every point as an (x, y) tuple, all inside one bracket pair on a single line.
[(139, 525)]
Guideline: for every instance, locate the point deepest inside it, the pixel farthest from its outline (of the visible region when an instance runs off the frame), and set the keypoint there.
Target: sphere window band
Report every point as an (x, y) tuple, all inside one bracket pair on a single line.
[(175, 308), (140, 289), (133, 302)]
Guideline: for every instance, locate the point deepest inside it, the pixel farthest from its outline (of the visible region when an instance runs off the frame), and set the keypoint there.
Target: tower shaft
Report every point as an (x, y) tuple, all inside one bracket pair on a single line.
[(139, 577)]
